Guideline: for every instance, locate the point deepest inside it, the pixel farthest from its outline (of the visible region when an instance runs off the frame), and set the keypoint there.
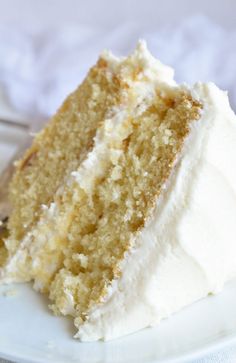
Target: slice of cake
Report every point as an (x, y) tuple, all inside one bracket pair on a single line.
[(124, 207)]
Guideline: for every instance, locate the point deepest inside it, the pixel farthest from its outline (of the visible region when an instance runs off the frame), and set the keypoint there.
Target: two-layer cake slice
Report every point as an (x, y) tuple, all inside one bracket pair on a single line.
[(124, 207)]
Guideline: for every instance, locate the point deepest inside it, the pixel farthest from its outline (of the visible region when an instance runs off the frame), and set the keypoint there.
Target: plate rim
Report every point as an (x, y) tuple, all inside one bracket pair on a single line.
[(211, 347), (199, 352)]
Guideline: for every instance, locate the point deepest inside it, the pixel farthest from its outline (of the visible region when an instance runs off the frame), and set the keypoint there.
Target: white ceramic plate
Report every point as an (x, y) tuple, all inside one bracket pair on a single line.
[(30, 333)]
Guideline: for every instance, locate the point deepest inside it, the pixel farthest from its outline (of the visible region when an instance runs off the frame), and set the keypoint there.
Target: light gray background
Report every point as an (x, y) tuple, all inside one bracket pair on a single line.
[(109, 13)]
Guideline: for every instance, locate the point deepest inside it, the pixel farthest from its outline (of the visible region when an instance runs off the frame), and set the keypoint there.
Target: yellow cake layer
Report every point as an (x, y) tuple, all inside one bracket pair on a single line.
[(59, 149)]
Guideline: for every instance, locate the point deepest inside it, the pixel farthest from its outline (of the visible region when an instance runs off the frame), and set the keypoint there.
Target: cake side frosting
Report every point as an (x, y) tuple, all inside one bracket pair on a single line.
[(189, 244)]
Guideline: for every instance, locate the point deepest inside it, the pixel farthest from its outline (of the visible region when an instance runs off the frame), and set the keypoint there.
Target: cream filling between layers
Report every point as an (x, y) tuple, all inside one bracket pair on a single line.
[(188, 248)]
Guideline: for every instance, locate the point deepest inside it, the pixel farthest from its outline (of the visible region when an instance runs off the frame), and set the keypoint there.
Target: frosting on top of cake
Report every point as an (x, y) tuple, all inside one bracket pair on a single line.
[(142, 59)]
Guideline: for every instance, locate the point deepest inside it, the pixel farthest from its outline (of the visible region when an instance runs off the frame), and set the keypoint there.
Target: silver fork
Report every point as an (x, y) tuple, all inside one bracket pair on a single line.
[(7, 172)]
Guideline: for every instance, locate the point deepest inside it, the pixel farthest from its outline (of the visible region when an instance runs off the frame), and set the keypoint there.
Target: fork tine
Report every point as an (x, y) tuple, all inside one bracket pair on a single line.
[(14, 123)]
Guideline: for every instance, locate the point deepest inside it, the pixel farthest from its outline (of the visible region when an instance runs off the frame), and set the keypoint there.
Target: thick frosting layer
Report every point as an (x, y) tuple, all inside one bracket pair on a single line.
[(151, 68), (189, 244)]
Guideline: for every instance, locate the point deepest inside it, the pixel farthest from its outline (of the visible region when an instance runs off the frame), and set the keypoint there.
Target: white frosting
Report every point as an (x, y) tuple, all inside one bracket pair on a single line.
[(188, 248), (141, 58)]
